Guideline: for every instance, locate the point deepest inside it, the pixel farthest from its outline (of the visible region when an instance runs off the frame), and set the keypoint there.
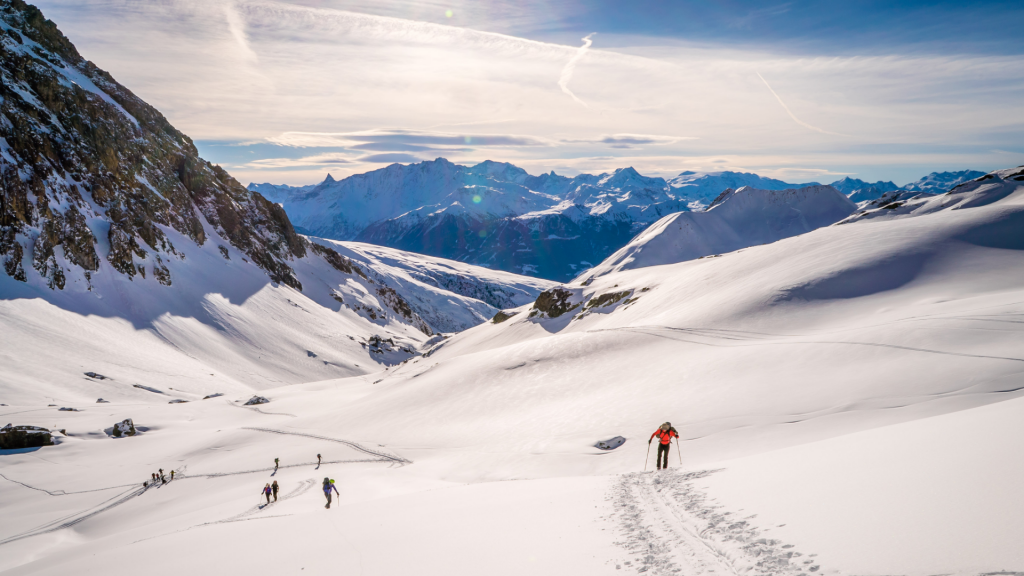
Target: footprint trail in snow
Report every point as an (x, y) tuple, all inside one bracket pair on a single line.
[(669, 527)]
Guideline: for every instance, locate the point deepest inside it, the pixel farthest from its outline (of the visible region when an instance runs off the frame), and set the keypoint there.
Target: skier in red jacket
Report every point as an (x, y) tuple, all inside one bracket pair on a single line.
[(665, 433)]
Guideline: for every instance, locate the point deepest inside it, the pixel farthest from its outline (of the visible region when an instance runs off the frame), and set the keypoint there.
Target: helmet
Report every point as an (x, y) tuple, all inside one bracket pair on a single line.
[(332, 481)]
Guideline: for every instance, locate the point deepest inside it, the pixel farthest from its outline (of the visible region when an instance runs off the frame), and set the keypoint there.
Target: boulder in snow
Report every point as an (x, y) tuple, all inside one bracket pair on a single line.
[(611, 443), (102, 401), (501, 316), (257, 400), (215, 395), (14, 437), (96, 376), (124, 428)]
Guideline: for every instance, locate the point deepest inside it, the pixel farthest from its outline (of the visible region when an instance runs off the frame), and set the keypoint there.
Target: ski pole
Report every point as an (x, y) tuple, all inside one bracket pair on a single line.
[(648, 456), (679, 451)]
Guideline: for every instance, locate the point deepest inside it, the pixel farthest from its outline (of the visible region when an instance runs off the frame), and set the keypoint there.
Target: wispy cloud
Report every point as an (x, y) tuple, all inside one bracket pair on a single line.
[(629, 140), (570, 67), (790, 112), (421, 138), (325, 76)]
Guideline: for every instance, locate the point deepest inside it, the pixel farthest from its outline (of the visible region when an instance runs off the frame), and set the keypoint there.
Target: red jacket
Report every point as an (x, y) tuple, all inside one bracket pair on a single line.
[(665, 435)]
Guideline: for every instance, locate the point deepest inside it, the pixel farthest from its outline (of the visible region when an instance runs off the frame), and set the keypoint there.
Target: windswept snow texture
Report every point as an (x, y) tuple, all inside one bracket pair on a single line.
[(450, 296), (497, 215), (737, 219)]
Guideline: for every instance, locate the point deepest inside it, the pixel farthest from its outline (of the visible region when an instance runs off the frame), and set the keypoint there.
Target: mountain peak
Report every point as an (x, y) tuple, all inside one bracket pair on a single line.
[(329, 180)]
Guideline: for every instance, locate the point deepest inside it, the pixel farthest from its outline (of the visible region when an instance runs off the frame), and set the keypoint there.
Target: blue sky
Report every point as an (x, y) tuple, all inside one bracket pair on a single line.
[(286, 91)]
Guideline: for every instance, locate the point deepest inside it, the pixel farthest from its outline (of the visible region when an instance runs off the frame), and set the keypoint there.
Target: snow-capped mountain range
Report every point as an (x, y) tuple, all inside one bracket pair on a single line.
[(497, 215)]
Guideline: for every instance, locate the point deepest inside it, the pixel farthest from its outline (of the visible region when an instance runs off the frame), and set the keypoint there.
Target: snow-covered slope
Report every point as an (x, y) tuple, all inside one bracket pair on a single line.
[(848, 401), (450, 296), (737, 219), (987, 189)]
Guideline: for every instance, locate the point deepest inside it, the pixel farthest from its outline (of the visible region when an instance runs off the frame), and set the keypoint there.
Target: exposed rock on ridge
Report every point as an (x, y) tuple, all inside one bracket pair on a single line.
[(90, 172)]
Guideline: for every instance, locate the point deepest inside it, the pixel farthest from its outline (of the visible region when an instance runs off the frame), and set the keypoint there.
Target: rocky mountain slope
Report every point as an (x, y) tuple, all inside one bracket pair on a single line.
[(110, 222)]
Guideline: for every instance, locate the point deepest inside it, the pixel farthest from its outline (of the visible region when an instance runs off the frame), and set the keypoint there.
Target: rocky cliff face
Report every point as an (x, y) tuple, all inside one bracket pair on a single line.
[(91, 173)]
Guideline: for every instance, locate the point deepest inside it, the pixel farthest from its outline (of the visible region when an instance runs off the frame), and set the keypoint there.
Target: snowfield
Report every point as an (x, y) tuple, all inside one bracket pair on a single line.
[(849, 401)]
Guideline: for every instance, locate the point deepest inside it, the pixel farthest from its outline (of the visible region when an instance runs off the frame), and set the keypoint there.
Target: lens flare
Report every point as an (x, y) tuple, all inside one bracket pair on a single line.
[(477, 199), (449, 13)]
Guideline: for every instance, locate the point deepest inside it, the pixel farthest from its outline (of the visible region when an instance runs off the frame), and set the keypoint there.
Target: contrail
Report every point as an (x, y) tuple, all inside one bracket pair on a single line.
[(791, 115), (236, 26), (570, 66)]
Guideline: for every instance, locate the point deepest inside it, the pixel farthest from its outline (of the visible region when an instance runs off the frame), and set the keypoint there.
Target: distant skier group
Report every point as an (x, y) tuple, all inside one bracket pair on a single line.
[(270, 489), (155, 477)]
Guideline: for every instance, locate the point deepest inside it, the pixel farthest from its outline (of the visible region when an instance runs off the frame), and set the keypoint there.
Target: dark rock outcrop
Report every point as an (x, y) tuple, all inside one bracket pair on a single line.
[(554, 302), (15, 437), (256, 400), (501, 316)]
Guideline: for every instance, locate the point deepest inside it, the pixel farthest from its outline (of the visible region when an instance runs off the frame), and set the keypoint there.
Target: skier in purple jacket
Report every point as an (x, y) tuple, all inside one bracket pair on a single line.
[(328, 487)]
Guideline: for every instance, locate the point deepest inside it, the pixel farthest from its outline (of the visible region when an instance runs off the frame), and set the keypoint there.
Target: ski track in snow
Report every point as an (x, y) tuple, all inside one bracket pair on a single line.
[(78, 517), (759, 339), (63, 493), (348, 443), (670, 528), (299, 490)]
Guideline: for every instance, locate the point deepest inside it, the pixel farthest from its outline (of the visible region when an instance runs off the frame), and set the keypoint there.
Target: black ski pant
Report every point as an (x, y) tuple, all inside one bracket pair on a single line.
[(328, 494), (663, 456)]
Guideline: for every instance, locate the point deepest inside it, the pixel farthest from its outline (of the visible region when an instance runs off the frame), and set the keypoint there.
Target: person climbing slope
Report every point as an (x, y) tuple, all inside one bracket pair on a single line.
[(266, 492), (318, 460), (328, 487), (277, 462), (274, 487), (665, 433)]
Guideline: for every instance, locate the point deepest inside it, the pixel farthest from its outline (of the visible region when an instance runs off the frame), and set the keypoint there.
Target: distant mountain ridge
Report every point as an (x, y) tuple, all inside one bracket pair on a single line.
[(497, 215)]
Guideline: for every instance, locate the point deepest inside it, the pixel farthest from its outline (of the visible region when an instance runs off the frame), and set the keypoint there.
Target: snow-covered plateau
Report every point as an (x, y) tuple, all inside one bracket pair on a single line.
[(847, 380)]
